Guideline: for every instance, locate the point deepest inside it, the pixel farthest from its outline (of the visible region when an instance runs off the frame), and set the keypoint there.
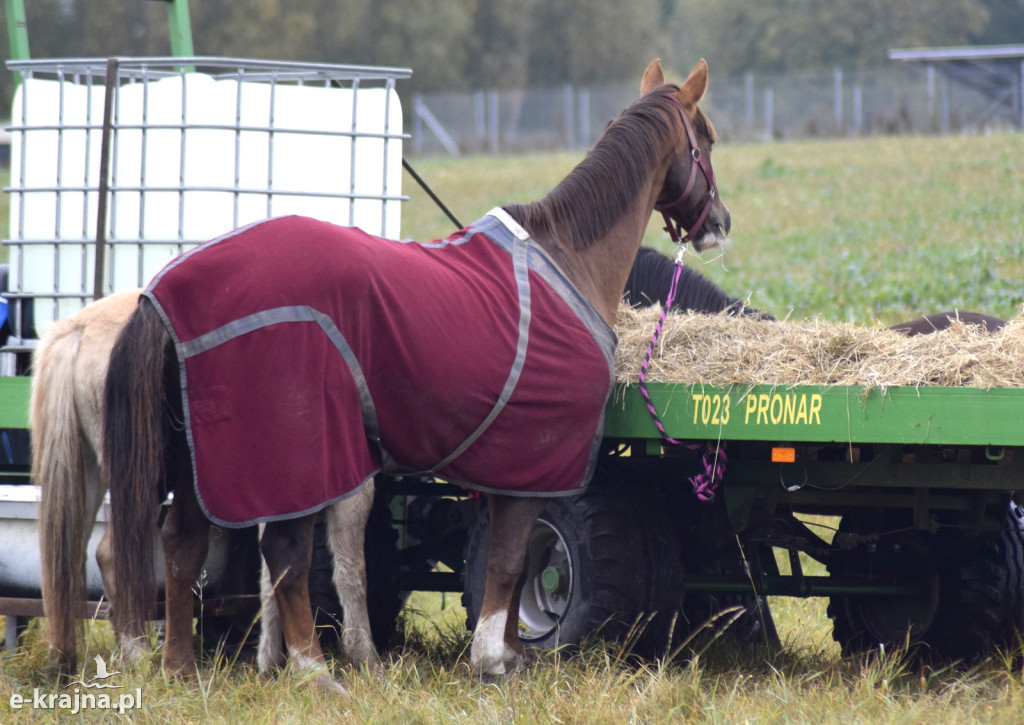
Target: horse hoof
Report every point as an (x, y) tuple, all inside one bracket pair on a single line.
[(268, 661), (499, 671), (134, 650), (325, 681), (184, 672)]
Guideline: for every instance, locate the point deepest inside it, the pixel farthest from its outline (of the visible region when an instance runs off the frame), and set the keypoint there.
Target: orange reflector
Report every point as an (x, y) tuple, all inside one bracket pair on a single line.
[(783, 455)]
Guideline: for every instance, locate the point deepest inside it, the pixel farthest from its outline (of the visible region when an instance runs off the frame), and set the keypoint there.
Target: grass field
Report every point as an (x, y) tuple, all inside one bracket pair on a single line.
[(875, 230), (854, 230)]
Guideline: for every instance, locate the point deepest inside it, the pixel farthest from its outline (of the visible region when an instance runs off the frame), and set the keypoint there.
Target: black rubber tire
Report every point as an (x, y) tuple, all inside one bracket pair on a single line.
[(384, 598), (709, 546), (971, 597), (869, 623), (983, 594), (588, 570)]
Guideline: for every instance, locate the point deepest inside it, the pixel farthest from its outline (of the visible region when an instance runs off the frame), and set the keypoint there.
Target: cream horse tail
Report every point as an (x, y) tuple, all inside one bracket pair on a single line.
[(65, 416)]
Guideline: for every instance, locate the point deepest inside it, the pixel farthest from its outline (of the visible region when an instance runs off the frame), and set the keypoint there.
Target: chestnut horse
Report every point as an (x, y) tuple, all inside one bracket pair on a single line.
[(70, 366), (588, 229)]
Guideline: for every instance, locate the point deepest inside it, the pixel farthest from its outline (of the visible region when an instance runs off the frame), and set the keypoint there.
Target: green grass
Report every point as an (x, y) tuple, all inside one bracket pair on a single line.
[(427, 680), (865, 230)]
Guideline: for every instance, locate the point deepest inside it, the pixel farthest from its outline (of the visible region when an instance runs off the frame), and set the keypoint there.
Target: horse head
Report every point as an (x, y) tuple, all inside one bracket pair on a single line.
[(689, 197)]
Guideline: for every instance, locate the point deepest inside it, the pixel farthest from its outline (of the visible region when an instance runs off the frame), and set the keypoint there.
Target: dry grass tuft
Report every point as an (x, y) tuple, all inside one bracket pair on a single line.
[(719, 349)]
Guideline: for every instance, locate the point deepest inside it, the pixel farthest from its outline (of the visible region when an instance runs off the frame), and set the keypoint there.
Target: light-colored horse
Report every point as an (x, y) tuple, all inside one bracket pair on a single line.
[(70, 368), (65, 415)]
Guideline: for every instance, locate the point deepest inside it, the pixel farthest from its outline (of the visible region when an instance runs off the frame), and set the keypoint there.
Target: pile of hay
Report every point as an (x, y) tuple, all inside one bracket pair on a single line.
[(719, 349)]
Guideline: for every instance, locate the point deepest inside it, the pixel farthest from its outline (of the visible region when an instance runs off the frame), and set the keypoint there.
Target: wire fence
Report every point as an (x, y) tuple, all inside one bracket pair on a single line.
[(893, 100)]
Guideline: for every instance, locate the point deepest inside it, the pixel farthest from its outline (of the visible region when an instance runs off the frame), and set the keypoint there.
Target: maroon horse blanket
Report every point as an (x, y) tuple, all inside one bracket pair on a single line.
[(314, 356)]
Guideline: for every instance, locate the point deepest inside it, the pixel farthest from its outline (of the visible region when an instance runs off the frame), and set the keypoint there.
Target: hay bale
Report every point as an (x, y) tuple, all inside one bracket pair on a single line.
[(719, 349)]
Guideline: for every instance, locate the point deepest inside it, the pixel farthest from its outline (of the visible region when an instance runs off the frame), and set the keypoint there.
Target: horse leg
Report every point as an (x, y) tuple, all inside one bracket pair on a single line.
[(346, 536), (186, 538), (496, 648), (270, 653), (287, 548)]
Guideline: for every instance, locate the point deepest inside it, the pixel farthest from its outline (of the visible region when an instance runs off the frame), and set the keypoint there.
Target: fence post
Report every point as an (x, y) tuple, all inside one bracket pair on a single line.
[(492, 102), (748, 83), (858, 110), (570, 125), (584, 117), (421, 111), (945, 104), (479, 115), (837, 75), (931, 92)]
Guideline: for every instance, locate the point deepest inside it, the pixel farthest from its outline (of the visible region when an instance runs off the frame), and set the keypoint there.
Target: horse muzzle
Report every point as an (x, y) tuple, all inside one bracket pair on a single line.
[(715, 230)]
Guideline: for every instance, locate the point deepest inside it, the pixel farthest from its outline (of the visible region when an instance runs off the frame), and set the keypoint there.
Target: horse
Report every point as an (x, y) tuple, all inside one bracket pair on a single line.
[(70, 366), (65, 417), (174, 412)]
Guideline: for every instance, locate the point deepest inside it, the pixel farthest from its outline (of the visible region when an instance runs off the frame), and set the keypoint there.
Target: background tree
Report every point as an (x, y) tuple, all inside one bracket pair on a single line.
[(791, 35), (505, 44)]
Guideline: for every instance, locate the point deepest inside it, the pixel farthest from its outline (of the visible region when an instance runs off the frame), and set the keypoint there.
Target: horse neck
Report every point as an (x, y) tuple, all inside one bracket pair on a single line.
[(599, 268)]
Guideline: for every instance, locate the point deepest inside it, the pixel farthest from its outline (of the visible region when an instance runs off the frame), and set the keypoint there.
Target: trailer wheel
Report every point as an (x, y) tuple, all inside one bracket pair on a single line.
[(866, 623), (983, 594), (384, 599), (587, 570), (970, 602)]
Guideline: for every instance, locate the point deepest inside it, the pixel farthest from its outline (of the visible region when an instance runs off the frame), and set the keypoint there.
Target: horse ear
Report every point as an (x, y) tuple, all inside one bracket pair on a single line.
[(693, 90), (654, 76)]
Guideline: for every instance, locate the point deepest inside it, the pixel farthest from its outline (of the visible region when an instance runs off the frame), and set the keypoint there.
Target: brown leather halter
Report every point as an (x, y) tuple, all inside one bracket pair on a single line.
[(673, 226)]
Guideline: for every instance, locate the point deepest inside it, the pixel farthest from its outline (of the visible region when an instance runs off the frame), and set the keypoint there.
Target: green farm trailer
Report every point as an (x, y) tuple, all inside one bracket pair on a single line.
[(904, 496)]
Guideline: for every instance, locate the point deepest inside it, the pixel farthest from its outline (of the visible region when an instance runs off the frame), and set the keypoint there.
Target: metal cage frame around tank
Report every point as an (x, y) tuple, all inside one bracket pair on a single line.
[(94, 173)]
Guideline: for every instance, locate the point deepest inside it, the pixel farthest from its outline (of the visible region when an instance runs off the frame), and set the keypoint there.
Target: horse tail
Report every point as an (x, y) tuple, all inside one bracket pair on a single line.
[(59, 467), (135, 439)]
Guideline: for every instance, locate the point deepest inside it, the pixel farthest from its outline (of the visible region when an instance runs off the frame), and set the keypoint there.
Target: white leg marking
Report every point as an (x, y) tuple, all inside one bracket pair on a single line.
[(489, 652), (317, 670)]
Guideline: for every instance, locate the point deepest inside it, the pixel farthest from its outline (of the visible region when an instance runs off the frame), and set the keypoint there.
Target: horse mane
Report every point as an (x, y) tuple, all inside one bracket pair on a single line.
[(650, 279), (585, 205)]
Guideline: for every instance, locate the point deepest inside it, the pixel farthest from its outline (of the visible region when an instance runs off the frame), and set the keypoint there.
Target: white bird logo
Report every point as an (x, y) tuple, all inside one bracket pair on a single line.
[(101, 675), (101, 670)]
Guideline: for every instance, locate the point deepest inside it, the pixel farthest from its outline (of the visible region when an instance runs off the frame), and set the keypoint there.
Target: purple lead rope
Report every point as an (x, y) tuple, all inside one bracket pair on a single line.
[(704, 484)]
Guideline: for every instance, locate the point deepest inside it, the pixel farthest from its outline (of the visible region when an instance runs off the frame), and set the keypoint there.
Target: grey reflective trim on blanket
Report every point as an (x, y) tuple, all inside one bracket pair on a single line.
[(522, 275), (278, 315), (185, 255), (502, 229)]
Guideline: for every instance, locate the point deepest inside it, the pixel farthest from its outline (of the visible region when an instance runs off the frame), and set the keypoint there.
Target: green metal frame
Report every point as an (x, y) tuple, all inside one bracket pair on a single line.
[(17, 30), (179, 23)]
